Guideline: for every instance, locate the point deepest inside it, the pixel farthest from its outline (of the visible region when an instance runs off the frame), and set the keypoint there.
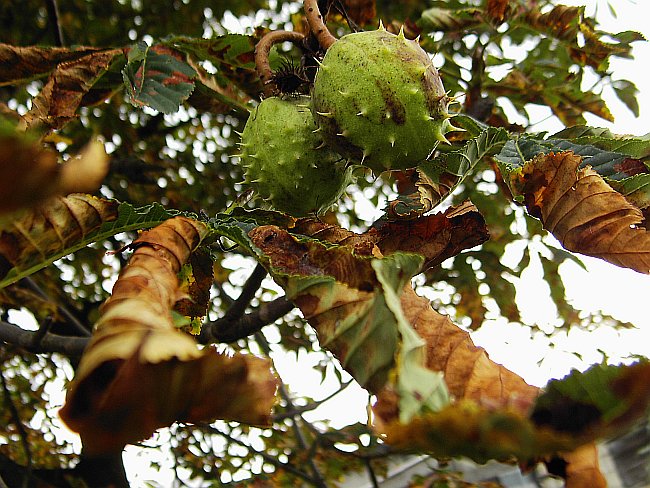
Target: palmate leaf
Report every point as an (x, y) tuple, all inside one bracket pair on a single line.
[(139, 373), (353, 304), (64, 225), (157, 77)]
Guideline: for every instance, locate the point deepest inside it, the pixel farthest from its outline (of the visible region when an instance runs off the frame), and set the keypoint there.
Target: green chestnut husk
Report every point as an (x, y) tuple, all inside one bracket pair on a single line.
[(286, 160), (379, 100)]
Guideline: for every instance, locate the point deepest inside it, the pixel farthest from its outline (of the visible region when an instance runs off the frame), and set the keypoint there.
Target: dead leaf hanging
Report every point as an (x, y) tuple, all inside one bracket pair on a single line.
[(140, 373), (582, 211)]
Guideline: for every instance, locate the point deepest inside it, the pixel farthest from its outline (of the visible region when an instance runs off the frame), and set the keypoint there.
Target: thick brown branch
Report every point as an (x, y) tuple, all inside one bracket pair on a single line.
[(262, 51), (228, 330), (317, 24), (27, 339)]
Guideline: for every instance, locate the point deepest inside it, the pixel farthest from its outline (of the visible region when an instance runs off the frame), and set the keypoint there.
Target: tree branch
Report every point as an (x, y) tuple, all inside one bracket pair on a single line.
[(72, 320), (30, 341), (15, 416), (226, 330), (53, 14)]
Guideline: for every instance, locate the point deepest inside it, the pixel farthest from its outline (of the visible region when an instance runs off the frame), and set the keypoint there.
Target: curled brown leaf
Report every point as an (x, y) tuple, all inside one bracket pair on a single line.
[(140, 373), (583, 212)]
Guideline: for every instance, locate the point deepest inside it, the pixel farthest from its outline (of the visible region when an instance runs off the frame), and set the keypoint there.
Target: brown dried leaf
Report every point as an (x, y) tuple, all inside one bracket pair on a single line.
[(196, 285), (51, 227), (490, 416), (19, 64), (360, 11), (30, 173), (139, 373), (436, 237), (583, 212), (59, 99)]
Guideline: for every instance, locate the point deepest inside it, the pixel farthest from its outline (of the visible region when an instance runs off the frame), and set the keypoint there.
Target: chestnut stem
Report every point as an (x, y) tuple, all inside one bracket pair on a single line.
[(317, 24), (262, 50)]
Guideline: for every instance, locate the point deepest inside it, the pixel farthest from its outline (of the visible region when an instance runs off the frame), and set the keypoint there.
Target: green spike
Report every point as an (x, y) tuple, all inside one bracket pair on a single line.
[(401, 36), (381, 26)]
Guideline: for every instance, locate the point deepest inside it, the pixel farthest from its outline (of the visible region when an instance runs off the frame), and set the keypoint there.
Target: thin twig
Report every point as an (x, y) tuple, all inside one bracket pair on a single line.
[(267, 457), (71, 319), (53, 14), (9, 403), (311, 406)]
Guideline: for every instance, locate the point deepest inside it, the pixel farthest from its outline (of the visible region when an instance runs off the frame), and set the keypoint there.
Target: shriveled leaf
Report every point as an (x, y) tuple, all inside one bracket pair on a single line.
[(139, 373), (582, 211), (157, 77), (419, 389), (57, 102), (435, 237), (38, 237), (353, 304), (196, 281), (465, 428), (30, 173), (21, 64)]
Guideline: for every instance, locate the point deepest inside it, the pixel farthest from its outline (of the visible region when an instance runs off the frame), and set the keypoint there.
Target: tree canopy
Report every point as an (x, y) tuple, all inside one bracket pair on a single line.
[(153, 260)]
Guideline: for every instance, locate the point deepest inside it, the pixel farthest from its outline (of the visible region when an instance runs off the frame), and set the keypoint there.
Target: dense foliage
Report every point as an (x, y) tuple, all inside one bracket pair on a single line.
[(141, 105)]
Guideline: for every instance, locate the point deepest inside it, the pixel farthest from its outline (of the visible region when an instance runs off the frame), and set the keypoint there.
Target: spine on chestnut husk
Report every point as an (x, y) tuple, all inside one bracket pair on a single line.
[(286, 160), (379, 100)]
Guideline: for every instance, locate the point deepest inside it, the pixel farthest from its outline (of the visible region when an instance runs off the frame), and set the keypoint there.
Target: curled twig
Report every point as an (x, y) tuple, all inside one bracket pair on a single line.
[(317, 24), (262, 51)]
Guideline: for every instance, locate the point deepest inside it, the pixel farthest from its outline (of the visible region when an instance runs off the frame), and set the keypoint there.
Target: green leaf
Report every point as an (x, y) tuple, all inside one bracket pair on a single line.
[(596, 402), (634, 146), (232, 55), (462, 162), (420, 389), (157, 77), (613, 165), (627, 92), (443, 19), (635, 189)]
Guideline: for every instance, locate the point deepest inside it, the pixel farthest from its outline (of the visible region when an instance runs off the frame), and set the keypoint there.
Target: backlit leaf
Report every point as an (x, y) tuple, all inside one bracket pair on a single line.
[(157, 77), (582, 211), (37, 238)]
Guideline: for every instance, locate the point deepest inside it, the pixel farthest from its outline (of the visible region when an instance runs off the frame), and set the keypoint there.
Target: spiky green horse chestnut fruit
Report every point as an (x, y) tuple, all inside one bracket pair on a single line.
[(287, 162), (379, 100)]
